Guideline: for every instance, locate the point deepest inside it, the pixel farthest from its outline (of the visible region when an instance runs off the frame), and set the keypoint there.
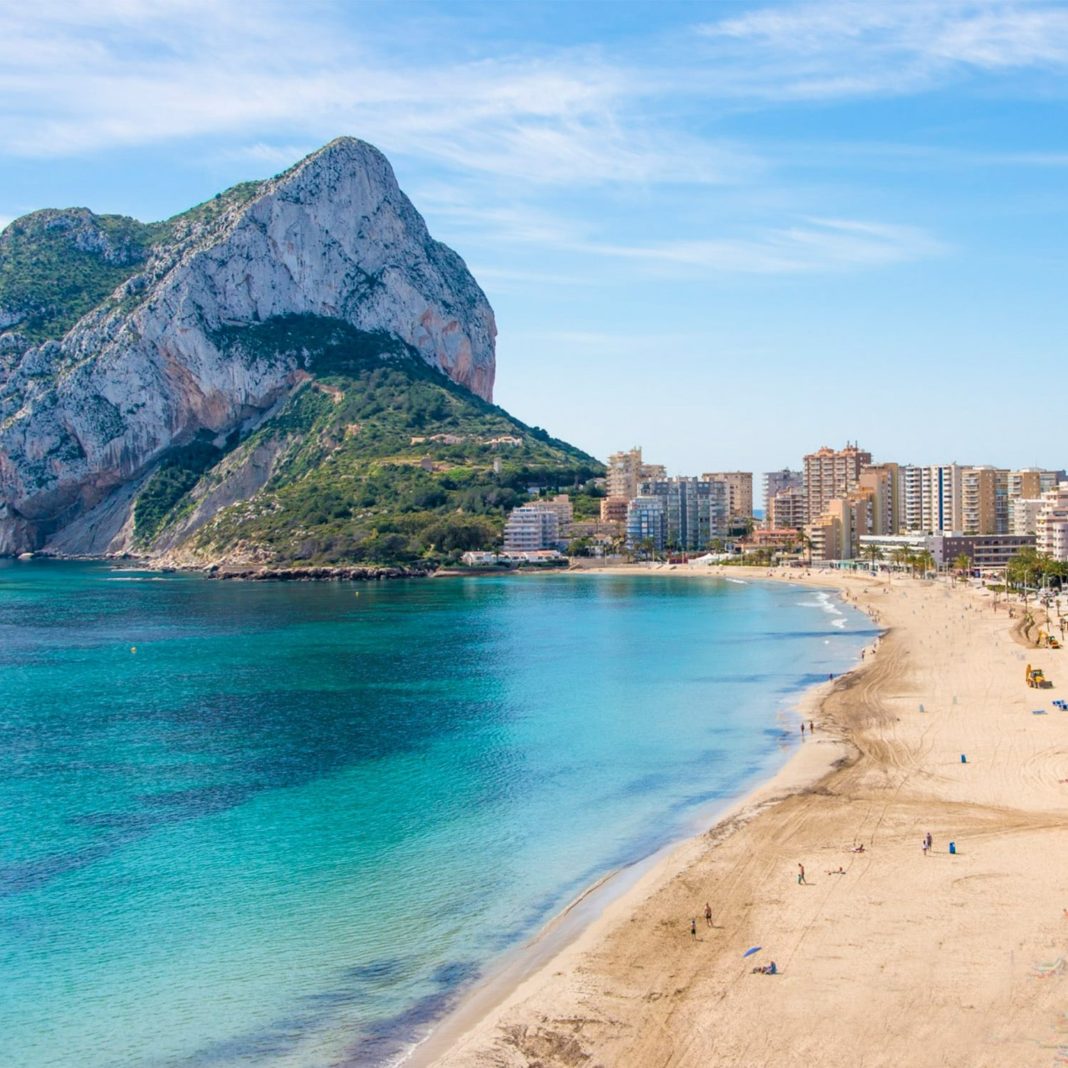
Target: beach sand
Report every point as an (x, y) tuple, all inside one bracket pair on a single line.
[(906, 959)]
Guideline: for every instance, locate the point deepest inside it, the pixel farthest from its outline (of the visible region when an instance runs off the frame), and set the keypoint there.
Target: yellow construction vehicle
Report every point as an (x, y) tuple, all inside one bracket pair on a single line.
[(1035, 678)]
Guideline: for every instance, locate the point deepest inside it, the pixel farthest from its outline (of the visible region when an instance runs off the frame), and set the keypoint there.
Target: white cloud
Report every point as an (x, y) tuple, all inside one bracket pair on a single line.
[(117, 74), (810, 245), (854, 48)]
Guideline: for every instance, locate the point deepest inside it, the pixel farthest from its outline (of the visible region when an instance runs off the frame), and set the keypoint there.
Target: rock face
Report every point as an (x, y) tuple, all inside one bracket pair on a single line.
[(161, 360)]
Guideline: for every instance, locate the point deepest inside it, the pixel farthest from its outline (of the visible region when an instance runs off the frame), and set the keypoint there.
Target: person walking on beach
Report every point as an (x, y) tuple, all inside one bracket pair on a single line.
[(811, 727), (928, 841), (708, 914), (693, 929), (802, 728), (924, 845), (801, 875)]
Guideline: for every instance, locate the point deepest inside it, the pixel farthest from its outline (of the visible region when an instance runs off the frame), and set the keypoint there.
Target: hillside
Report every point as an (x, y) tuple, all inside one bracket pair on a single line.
[(373, 459), (244, 380)]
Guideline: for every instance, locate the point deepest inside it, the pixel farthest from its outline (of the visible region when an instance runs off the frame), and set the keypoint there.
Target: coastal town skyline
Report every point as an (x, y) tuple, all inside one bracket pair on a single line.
[(839, 505)]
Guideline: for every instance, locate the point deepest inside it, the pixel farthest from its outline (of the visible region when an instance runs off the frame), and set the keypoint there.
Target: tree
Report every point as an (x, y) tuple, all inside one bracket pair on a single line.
[(873, 553), (963, 564)]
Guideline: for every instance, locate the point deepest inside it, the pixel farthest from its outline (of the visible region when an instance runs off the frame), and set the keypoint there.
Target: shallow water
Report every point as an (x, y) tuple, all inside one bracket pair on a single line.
[(274, 824)]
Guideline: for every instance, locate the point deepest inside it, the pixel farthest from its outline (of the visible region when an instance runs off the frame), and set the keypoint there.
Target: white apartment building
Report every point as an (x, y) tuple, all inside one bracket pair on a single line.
[(1023, 515), (538, 525), (932, 498), (1053, 523), (911, 507)]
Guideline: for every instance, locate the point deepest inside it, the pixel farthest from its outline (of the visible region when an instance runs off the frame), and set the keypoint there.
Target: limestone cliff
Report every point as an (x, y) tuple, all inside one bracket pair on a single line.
[(120, 341)]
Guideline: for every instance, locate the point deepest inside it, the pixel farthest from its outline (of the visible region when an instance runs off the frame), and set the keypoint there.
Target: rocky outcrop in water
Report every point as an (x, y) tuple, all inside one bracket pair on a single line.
[(194, 339)]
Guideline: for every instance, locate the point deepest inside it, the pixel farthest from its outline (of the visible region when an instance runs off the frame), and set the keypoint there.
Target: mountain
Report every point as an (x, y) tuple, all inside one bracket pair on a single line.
[(245, 380)]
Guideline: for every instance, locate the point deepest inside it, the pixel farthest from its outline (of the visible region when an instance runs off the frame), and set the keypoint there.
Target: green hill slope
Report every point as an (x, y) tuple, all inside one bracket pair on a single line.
[(376, 458)]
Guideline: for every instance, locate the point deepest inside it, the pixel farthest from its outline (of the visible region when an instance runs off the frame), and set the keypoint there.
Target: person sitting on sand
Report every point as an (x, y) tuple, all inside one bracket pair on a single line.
[(766, 969), (858, 848)]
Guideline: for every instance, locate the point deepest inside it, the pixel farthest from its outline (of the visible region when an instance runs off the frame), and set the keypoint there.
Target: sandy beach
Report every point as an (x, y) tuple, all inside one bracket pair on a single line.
[(889, 956)]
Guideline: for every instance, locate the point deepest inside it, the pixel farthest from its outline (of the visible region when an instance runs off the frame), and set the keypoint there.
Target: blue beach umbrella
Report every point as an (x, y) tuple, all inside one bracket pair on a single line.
[(751, 950)]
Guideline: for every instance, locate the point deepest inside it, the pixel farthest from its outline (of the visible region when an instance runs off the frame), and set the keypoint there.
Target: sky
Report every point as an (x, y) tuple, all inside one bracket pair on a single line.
[(727, 232)]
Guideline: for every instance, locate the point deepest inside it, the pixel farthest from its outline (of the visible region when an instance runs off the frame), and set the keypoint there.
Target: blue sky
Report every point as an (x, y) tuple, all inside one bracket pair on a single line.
[(728, 232)]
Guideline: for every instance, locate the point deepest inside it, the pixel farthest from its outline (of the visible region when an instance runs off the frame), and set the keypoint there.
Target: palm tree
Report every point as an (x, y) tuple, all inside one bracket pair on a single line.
[(925, 561), (873, 553), (963, 563), (902, 557)]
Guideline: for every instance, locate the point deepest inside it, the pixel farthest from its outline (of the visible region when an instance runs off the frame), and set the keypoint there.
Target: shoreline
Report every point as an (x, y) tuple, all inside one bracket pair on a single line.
[(961, 951), (580, 922)]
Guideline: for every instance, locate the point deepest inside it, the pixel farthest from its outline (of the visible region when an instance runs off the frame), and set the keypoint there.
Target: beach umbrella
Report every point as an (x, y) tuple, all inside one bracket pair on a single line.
[(751, 950)]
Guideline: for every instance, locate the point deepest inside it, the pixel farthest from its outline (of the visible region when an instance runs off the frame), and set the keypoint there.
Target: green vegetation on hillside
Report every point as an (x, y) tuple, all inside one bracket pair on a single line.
[(55, 266), (352, 485), (172, 480), (48, 279)]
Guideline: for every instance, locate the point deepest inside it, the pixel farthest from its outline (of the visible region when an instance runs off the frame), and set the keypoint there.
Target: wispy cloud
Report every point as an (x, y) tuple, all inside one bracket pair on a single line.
[(809, 245), (113, 74), (854, 48)]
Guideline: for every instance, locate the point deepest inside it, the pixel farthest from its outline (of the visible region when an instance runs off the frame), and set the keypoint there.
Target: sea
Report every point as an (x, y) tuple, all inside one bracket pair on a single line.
[(291, 824)]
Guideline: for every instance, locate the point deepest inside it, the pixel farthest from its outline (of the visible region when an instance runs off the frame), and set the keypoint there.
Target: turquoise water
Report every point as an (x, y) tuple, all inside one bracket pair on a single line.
[(273, 824)]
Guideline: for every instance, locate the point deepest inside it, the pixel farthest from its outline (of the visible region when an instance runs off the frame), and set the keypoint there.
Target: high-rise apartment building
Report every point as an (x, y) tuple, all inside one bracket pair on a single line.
[(1053, 523), (883, 483), (1023, 515), (788, 510), (695, 511), (777, 481), (831, 473), (1032, 482), (984, 500), (739, 491), (626, 470), (646, 523), (836, 533), (941, 499), (538, 525)]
